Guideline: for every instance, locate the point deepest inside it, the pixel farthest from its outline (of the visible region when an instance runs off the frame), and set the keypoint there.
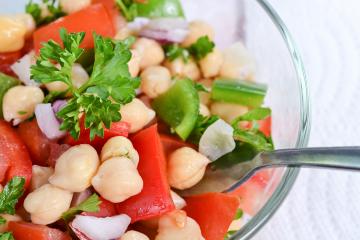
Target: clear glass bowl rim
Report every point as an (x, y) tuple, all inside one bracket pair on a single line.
[(290, 175)]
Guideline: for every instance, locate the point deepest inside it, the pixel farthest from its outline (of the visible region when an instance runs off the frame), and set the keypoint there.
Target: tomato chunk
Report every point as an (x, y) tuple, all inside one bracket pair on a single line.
[(36, 142), (170, 144), (107, 209), (154, 199), (7, 59), (214, 212), (94, 18), (29, 231), (113, 11), (13, 151), (116, 129)]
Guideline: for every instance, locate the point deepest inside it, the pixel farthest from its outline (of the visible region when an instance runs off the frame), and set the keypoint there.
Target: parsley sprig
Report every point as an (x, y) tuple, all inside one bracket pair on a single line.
[(91, 204), (53, 6), (6, 236), (128, 8), (197, 50), (100, 98), (10, 195)]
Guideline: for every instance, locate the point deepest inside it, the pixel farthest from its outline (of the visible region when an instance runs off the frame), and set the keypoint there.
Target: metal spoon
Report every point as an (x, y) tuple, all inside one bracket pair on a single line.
[(225, 180)]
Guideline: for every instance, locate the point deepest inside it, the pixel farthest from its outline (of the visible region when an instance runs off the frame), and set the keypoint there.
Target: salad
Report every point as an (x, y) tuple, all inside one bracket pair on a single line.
[(110, 110)]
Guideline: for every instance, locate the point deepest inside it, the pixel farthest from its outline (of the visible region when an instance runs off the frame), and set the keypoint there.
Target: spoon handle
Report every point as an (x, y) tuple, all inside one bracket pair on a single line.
[(332, 157)]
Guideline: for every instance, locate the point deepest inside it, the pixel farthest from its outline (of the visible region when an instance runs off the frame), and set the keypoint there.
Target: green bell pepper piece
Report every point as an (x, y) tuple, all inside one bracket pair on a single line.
[(179, 107), (160, 8), (6, 82), (239, 92)]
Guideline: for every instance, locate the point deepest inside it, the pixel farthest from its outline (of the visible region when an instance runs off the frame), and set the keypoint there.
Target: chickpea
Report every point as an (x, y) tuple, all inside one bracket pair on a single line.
[(177, 226), (238, 63), (40, 176), (119, 147), (204, 96), (47, 203), (28, 22), (198, 29), (150, 51), (186, 167), (123, 33), (204, 110), (211, 64), (78, 75), (179, 68), (8, 218), (137, 114), (134, 63), (75, 168), (227, 111), (19, 103), (155, 80), (117, 179), (71, 6), (12, 34), (179, 202), (134, 235)]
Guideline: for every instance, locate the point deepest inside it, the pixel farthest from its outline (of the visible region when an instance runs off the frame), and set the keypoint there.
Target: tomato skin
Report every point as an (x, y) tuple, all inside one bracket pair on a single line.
[(29, 231), (154, 199), (170, 144), (116, 129), (214, 213), (7, 59), (114, 12), (55, 152), (107, 209), (94, 18), (14, 152), (36, 142)]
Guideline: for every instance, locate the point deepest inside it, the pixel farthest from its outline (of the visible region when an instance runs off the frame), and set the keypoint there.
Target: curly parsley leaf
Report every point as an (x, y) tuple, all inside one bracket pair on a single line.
[(91, 204), (128, 8), (201, 125), (35, 9), (10, 195), (201, 88), (201, 47), (253, 115), (110, 79), (174, 51), (6, 236)]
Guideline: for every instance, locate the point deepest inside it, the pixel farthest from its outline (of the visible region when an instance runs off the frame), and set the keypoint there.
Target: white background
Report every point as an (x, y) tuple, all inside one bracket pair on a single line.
[(323, 204)]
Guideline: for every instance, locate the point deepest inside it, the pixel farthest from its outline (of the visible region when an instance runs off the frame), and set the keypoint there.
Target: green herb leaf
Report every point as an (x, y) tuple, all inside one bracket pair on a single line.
[(201, 88), (253, 115), (22, 112), (91, 204), (201, 47), (2, 220), (6, 236), (174, 51), (201, 125), (255, 138), (10, 195), (229, 234), (53, 6), (128, 8), (239, 214)]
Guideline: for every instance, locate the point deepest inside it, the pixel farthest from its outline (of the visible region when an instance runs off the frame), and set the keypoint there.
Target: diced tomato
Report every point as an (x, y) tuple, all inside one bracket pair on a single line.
[(107, 209), (263, 177), (154, 198), (55, 152), (13, 151), (214, 213), (264, 126), (36, 142), (29, 231), (116, 129), (113, 11), (94, 18), (170, 143), (6, 60)]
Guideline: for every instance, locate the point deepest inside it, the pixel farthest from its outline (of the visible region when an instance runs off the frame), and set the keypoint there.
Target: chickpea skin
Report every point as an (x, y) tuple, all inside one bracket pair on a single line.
[(204, 96), (40, 176), (198, 29), (19, 103), (12, 34), (71, 6), (177, 226), (117, 179), (28, 22), (155, 80), (150, 51), (211, 64), (137, 114), (180, 68), (47, 203), (227, 111), (75, 168), (134, 63), (204, 110), (186, 167), (119, 147), (134, 235)]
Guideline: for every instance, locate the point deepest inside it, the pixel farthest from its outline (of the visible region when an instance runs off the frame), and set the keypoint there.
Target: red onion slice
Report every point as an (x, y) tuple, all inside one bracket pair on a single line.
[(22, 69), (88, 227), (48, 122)]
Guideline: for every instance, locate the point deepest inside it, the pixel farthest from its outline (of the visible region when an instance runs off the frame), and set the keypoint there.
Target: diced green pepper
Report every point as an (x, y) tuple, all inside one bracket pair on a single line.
[(6, 82), (179, 107), (239, 92), (160, 8)]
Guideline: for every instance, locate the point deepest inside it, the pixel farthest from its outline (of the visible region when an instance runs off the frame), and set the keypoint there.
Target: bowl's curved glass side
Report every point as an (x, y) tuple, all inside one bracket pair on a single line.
[(302, 123)]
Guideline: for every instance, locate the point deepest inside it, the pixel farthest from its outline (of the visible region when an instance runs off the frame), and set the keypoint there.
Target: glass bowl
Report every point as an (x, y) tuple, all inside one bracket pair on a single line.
[(279, 65)]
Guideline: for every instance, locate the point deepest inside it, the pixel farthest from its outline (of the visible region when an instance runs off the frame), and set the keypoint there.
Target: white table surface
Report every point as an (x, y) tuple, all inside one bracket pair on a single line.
[(323, 204)]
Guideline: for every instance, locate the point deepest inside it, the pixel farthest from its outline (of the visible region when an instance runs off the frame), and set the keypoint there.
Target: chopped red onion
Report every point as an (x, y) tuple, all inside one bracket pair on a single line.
[(22, 69), (88, 227), (80, 197), (137, 24), (47, 121), (58, 105)]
